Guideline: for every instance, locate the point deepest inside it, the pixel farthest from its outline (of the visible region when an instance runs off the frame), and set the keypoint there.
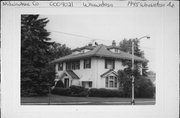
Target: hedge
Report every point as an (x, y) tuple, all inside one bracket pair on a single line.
[(61, 91), (79, 91), (94, 92)]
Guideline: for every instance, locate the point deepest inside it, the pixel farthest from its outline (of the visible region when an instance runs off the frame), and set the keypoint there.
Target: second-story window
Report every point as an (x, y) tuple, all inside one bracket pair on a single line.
[(73, 65), (109, 63), (68, 66), (60, 66), (87, 63), (77, 65)]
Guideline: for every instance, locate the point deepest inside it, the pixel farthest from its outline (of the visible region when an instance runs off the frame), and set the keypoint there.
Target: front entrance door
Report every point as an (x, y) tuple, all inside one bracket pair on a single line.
[(66, 82)]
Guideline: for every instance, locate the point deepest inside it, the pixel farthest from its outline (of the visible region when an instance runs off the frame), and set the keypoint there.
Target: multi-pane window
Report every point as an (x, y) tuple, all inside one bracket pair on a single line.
[(116, 50), (87, 84), (90, 84), (60, 66), (73, 65), (115, 84), (68, 66), (77, 65), (111, 82), (87, 63), (109, 63), (106, 81)]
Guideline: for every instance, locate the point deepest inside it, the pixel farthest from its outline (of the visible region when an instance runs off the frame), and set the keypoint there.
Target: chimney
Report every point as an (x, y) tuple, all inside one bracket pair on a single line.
[(96, 43), (90, 44), (113, 43)]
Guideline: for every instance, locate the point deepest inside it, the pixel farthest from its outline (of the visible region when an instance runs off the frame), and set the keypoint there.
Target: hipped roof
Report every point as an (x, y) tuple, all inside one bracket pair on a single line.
[(100, 51)]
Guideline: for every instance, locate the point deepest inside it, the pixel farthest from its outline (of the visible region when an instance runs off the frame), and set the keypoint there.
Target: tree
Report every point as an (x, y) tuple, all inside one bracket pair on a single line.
[(58, 50), (143, 87), (35, 52), (126, 46)]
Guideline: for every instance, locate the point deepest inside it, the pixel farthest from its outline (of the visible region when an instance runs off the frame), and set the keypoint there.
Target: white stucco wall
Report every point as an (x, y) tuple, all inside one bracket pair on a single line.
[(101, 69), (87, 74), (91, 74)]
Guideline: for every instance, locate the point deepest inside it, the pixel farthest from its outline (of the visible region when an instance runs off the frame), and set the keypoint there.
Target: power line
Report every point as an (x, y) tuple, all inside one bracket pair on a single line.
[(87, 37), (77, 35)]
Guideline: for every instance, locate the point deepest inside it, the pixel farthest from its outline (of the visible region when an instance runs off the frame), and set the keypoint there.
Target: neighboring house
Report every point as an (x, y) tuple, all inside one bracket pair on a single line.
[(92, 66)]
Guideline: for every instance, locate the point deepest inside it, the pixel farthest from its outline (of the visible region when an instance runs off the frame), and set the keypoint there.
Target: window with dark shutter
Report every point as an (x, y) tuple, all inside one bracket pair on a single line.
[(77, 65), (68, 66), (60, 66), (87, 63), (109, 63), (113, 63)]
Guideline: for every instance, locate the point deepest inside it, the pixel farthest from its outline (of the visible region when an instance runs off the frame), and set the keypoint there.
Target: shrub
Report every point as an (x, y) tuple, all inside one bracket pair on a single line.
[(82, 94), (104, 93), (59, 84), (76, 89), (61, 91), (79, 91), (145, 88)]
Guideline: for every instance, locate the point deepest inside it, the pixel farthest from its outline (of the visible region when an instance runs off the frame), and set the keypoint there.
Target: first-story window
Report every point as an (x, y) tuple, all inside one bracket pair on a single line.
[(106, 81), (111, 82), (115, 82), (90, 84)]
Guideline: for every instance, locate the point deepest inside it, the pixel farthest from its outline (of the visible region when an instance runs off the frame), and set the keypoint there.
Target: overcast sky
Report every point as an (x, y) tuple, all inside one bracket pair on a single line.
[(105, 27)]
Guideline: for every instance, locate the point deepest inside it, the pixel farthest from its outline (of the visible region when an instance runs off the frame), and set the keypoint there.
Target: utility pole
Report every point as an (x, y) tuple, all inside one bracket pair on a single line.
[(132, 101), (49, 94)]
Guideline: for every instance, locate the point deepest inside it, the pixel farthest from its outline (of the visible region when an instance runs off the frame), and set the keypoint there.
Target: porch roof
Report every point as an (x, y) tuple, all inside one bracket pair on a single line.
[(108, 72), (72, 74)]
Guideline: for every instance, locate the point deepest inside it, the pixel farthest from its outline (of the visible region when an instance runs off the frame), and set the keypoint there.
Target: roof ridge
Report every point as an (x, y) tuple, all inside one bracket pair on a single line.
[(100, 46)]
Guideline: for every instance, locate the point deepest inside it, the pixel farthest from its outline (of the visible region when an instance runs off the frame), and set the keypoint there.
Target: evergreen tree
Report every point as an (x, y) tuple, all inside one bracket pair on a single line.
[(35, 52), (126, 46)]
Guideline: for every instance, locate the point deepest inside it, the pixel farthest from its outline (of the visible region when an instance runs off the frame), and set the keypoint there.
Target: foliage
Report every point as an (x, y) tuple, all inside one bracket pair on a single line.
[(58, 50), (60, 84), (144, 88), (126, 46), (79, 91), (94, 92), (36, 74), (61, 91)]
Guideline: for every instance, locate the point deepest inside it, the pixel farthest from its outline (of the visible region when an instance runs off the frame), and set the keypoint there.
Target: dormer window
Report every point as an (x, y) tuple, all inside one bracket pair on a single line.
[(84, 50), (115, 50), (76, 52)]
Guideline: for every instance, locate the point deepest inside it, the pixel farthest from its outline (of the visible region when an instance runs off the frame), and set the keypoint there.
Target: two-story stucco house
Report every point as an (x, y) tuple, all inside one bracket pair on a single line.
[(92, 66)]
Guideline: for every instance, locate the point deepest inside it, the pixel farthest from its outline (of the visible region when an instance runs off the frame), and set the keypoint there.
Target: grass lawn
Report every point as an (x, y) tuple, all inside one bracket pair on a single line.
[(66, 100)]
